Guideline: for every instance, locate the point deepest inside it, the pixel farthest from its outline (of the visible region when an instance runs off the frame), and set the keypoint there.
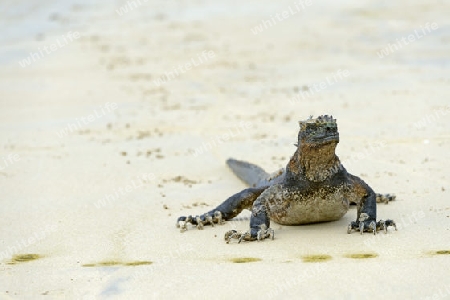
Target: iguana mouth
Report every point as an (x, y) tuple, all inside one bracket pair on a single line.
[(324, 139)]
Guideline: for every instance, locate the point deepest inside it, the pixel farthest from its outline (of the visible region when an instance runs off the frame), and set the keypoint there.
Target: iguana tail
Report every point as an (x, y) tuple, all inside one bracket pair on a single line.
[(249, 173)]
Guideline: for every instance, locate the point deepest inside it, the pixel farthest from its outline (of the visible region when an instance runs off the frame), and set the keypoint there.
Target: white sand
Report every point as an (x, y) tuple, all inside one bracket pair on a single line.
[(51, 188)]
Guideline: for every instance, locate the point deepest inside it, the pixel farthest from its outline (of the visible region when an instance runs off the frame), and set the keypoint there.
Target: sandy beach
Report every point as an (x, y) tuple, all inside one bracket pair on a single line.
[(118, 118)]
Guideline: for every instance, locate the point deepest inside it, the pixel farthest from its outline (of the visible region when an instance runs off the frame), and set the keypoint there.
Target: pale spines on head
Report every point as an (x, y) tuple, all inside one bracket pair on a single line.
[(302, 125), (324, 119)]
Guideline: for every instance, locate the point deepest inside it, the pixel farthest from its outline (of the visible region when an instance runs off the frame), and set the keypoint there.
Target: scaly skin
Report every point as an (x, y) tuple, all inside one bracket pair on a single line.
[(314, 187)]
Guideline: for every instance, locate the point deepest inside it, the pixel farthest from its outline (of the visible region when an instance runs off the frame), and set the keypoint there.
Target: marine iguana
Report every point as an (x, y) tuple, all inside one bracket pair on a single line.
[(314, 187)]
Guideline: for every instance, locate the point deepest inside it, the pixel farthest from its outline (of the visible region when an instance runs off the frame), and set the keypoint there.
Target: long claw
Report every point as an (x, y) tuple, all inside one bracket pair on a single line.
[(373, 226), (182, 226), (242, 237), (199, 223), (182, 223), (351, 226), (209, 219), (218, 217), (260, 235), (383, 226), (228, 235)]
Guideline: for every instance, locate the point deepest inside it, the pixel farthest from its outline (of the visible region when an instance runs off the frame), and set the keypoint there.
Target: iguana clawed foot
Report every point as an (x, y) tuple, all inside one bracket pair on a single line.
[(385, 198), (199, 221), (261, 234), (363, 224), (383, 225)]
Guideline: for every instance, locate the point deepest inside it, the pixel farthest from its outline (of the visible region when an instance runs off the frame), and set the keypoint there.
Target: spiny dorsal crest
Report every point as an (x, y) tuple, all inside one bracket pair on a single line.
[(324, 119)]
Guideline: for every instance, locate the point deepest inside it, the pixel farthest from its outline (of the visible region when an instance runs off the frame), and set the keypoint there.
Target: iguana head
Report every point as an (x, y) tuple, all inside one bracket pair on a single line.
[(319, 131), (315, 156)]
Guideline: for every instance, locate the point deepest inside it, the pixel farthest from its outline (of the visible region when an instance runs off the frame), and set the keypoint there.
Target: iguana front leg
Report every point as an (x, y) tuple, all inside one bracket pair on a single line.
[(366, 201), (229, 209), (259, 221)]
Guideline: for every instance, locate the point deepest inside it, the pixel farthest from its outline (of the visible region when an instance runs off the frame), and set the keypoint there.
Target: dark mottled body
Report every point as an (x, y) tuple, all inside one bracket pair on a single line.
[(314, 187)]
